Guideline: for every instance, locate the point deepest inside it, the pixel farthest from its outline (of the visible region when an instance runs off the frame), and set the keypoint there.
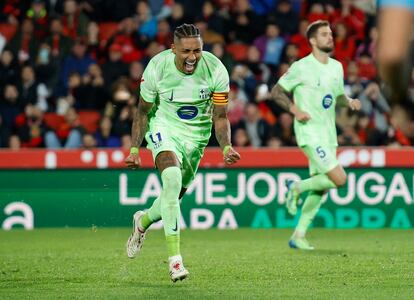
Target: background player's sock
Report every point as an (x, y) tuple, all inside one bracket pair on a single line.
[(170, 208), (319, 182), (309, 209), (173, 245)]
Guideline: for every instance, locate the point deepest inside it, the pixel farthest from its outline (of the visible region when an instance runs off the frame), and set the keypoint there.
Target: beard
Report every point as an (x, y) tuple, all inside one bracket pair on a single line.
[(326, 49)]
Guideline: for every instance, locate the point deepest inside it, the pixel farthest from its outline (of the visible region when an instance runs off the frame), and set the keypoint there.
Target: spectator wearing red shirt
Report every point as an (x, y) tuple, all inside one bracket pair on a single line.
[(300, 40), (344, 45)]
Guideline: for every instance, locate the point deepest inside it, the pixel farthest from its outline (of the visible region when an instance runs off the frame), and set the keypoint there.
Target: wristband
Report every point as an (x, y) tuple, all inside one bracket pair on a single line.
[(133, 150), (226, 149)]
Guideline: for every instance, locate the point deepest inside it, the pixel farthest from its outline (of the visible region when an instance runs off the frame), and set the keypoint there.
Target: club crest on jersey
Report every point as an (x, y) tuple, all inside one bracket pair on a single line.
[(204, 94), (187, 112), (327, 101)]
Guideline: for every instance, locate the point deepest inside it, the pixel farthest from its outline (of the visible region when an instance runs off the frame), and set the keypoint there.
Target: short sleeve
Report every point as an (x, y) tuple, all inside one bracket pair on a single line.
[(291, 79), (340, 86), (221, 86), (148, 83)]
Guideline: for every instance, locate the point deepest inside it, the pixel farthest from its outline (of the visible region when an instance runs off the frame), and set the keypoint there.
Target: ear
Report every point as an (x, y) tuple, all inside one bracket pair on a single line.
[(173, 48), (312, 41)]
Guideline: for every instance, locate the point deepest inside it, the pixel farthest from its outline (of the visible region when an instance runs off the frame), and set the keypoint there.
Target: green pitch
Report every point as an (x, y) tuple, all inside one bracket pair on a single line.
[(242, 264)]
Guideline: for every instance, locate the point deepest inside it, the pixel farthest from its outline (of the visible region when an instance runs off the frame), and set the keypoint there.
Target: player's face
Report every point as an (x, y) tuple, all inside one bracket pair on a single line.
[(324, 40), (188, 53)]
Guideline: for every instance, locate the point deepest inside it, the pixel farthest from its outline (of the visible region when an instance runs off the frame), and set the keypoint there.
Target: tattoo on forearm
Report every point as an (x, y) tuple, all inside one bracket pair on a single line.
[(281, 97), (222, 126), (139, 125)]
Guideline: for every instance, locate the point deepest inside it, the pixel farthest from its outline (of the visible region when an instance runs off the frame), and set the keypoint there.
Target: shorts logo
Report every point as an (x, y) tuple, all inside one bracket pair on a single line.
[(204, 94), (327, 101), (156, 139), (187, 112)]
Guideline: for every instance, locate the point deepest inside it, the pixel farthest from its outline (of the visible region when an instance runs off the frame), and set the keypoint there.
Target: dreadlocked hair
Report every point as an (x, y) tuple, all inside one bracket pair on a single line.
[(186, 31)]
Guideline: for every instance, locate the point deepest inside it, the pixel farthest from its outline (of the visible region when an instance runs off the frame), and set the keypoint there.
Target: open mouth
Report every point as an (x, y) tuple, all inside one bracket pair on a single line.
[(189, 66)]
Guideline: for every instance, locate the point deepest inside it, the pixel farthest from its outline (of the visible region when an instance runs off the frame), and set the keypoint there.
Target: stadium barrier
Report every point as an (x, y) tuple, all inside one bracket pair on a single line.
[(82, 188)]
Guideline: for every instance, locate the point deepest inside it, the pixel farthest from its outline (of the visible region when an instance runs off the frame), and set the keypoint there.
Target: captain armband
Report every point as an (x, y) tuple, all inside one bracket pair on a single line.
[(220, 98)]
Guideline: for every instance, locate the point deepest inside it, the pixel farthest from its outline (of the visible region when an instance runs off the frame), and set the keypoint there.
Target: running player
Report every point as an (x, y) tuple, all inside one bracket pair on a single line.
[(184, 90), (310, 90)]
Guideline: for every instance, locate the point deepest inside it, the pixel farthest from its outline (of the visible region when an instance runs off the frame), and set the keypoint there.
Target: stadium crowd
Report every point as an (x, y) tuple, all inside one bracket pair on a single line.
[(70, 70)]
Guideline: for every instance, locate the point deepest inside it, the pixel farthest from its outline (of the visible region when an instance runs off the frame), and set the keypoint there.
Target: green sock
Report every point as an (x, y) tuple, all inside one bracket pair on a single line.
[(154, 212), (173, 245), (145, 222), (319, 182), (309, 209)]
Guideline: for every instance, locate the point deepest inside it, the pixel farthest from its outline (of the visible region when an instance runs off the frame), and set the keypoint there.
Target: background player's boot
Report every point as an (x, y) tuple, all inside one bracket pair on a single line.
[(300, 243), (177, 269), (291, 197), (135, 241)]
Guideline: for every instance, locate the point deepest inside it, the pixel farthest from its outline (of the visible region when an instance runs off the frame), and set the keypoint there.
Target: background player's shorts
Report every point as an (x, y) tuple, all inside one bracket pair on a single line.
[(322, 159), (161, 138)]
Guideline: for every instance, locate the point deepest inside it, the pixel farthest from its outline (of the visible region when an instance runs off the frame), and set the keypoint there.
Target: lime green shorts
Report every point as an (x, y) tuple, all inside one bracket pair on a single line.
[(189, 153), (322, 159)]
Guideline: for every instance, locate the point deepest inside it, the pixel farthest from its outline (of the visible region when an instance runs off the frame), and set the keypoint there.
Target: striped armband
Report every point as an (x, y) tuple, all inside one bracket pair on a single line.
[(220, 98)]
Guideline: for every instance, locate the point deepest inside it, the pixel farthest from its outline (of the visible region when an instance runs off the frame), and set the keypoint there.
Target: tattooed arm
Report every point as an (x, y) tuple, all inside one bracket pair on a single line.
[(139, 128), (285, 101), (223, 132)]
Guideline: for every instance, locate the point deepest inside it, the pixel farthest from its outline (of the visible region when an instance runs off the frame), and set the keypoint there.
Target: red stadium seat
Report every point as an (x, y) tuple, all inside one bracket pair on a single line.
[(53, 120), (107, 30), (238, 51), (7, 30), (89, 119)]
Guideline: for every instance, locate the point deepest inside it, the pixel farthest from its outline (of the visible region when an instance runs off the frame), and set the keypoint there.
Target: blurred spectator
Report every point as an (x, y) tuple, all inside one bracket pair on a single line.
[(147, 24), (353, 85), (114, 67), (212, 19), (285, 18), (290, 53), (164, 34), (257, 129), (11, 11), (375, 106), (369, 46), (24, 44), (68, 135), (39, 16), (352, 17), (245, 25), (122, 96), (283, 130), (344, 45), (244, 79), (270, 45), (30, 127), (46, 68), (117, 10), (274, 142), (219, 50), (88, 141), (4, 134), (177, 16), (300, 39), (9, 69), (59, 44), (160, 9), (126, 142), (135, 74), (366, 67), (317, 12), (74, 21), (236, 105), (127, 37), (15, 143), (241, 138), (64, 102), (79, 61), (104, 136), (31, 91), (10, 105), (349, 137), (91, 93), (260, 70), (209, 36)]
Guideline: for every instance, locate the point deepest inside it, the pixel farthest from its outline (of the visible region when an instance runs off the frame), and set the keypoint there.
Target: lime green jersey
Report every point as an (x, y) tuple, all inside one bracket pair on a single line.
[(315, 87), (183, 103)]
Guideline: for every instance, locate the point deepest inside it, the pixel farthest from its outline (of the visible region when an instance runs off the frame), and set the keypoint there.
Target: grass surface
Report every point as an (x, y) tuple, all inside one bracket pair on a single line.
[(242, 264)]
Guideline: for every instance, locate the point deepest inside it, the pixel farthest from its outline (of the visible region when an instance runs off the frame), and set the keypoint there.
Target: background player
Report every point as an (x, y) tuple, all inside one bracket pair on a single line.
[(395, 24), (183, 91), (317, 85)]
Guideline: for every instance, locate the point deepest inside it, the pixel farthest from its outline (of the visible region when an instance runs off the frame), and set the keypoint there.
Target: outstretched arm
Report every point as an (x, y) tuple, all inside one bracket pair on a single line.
[(223, 133), (285, 101), (139, 128), (353, 104)]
